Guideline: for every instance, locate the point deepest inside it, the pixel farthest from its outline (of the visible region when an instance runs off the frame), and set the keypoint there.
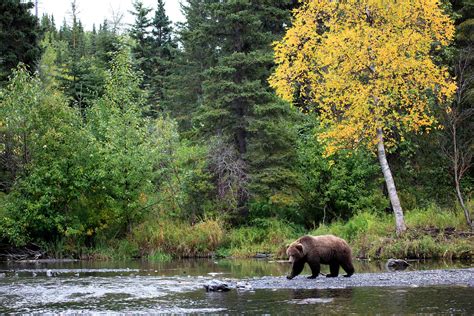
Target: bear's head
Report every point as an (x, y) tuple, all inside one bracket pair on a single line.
[(295, 251)]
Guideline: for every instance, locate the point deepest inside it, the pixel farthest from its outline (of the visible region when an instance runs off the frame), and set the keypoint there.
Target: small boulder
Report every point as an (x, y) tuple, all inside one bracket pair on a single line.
[(396, 264), (216, 286), (260, 255), (242, 285)]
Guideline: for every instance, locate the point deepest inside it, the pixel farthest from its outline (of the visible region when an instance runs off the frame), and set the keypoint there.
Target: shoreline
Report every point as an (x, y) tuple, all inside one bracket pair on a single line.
[(450, 277)]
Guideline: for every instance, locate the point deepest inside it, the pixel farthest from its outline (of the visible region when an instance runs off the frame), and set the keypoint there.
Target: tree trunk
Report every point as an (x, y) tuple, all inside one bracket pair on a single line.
[(392, 191), (458, 171), (469, 222), (461, 152)]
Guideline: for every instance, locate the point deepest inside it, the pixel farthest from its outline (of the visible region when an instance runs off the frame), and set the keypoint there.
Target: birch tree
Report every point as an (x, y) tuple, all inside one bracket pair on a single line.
[(366, 68)]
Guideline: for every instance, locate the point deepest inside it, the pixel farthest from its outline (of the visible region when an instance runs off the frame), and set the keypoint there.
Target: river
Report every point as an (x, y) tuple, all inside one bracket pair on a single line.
[(178, 288)]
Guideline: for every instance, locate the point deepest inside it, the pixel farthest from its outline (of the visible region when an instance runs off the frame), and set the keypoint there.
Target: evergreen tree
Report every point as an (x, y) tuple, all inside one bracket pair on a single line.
[(106, 42), (65, 32), (162, 29), (140, 32), (80, 79), (19, 36), (239, 107), (92, 41), (163, 50), (198, 53), (48, 27)]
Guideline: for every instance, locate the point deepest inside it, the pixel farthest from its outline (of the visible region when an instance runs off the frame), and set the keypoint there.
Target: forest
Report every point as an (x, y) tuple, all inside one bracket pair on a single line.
[(238, 130)]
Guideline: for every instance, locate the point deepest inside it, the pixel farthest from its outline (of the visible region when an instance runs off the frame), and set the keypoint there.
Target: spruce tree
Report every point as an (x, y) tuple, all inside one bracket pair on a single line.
[(162, 29), (163, 51), (19, 37), (239, 108), (48, 27), (80, 80), (198, 53), (140, 32), (106, 43)]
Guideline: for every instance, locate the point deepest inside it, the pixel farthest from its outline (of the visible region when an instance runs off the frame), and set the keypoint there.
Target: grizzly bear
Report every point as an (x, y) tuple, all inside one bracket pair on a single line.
[(316, 250)]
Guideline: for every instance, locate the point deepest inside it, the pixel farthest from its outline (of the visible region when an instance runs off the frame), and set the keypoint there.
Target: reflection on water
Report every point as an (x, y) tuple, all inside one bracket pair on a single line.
[(177, 287), (223, 267)]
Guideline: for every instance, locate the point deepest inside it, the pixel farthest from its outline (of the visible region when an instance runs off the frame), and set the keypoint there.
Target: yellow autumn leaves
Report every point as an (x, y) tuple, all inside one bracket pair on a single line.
[(365, 65)]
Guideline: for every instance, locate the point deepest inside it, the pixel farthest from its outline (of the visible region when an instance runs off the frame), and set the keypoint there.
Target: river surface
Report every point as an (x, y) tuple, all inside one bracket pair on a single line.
[(178, 288)]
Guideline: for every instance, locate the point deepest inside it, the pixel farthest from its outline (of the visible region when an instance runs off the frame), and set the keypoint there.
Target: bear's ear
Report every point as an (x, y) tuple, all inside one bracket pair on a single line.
[(299, 247)]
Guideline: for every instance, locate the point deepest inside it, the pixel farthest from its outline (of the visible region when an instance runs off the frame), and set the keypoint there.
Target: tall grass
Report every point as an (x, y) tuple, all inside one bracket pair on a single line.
[(268, 236), (434, 216), (164, 237), (373, 235), (117, 249)]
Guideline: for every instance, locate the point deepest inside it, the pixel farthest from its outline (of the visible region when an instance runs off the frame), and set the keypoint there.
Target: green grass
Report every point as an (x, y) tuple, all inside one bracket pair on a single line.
[(433, 216), (373, 235), (121, 249), (178, 238), (263, 236), (159, 256)]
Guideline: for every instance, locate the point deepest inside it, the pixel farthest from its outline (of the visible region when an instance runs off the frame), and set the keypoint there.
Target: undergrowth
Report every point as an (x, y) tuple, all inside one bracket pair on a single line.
[(160, 239), (432, 232), (266, 236)]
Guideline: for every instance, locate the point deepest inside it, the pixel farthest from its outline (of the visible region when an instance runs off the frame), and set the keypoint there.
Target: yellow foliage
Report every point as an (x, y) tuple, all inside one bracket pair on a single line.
[(365, 64), (143, 198)]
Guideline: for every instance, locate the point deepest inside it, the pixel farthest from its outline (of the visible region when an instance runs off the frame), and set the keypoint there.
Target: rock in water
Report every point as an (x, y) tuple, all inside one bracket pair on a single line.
[(243, 286), (216, 286), (396, 264)]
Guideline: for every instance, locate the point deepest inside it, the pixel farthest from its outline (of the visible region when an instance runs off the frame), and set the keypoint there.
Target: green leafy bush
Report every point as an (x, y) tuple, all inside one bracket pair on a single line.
[(339, 187), (74, 180)]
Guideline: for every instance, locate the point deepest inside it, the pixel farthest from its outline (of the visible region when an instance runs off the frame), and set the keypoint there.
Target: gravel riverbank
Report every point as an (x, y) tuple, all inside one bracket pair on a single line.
[(455, 277)]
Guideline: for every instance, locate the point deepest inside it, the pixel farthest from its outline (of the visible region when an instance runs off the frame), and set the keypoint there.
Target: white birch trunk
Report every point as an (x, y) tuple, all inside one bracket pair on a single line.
[(458, 170), (392, 191)]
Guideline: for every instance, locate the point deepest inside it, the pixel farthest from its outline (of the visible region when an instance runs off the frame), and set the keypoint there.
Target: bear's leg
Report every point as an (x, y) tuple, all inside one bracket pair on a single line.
[(296, 269), (334, 268), (315, 269), (348, 267)]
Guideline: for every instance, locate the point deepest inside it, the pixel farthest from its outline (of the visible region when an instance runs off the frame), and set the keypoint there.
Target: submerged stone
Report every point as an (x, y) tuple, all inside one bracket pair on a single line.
[(312, 301), (396, 264), (216, 286)]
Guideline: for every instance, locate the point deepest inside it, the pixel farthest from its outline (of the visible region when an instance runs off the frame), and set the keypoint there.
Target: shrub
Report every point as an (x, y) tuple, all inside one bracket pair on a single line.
[(372, 235), (263, 236), (178, 238), (337, 188), (159, 256), (434, 216)]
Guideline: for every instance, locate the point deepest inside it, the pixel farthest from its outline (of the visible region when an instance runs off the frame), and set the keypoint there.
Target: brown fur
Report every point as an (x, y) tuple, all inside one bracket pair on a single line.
[(317, 250)]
